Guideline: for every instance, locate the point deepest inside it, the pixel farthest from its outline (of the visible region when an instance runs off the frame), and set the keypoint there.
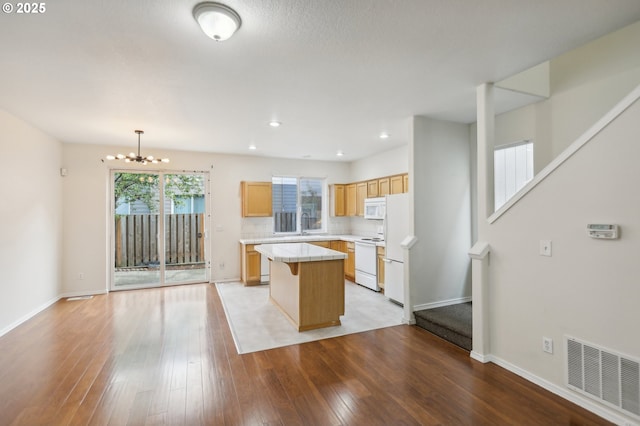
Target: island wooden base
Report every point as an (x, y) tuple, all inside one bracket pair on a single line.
[(310, 294)]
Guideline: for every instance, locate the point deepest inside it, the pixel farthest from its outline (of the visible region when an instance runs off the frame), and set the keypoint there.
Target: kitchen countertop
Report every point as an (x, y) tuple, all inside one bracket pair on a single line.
[(298, 252), (305, 239)]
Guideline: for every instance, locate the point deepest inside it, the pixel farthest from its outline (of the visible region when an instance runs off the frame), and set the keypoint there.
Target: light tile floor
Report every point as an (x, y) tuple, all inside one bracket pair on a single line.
[(256, 324)]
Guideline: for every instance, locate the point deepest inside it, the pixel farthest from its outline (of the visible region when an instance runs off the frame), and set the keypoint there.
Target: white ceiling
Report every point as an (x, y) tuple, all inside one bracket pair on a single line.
[(336, 73)]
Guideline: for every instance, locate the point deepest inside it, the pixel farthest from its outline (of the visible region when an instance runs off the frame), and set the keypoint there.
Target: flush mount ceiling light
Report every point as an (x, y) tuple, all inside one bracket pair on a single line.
[(218, 21), (132, 157), (384, 135), (274, 123), (339, 153)]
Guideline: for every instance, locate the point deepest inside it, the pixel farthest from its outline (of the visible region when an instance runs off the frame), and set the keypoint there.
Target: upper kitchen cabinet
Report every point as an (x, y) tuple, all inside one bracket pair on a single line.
[(405, 185), (256, 199), (361, 194), (383, 187), (339, 198), (396, 184), (351, 199), (372, 188)]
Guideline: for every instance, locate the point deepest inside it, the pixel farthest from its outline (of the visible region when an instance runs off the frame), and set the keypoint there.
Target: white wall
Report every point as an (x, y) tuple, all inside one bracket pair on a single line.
[(585, 83), (86, 215), (392, 162), (440, 267), (30, 220), (588, 288)]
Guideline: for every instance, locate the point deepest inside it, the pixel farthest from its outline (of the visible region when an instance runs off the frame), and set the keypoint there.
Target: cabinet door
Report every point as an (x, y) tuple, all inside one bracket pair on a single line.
[(256, 199), (351, 199), (338, 245), (397, 184), (381, 254), (350, 263), (361, 194), (252, 265), (405, 186), (339, 200), (383, 187), (372, 188)]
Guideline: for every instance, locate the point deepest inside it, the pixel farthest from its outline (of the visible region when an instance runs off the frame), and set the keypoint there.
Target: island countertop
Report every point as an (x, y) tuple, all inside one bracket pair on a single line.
[(298, 252)]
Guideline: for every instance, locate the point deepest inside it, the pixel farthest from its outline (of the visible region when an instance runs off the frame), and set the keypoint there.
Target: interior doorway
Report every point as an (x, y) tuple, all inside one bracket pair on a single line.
[(158, 228)]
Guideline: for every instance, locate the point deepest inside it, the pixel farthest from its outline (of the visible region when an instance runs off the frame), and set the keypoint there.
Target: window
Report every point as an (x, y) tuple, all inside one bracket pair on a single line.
[(298, 204), (188, 204), (513, 168)]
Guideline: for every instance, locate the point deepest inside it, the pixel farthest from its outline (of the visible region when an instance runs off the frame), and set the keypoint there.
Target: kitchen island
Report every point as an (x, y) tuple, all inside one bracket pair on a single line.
[(306, 283)]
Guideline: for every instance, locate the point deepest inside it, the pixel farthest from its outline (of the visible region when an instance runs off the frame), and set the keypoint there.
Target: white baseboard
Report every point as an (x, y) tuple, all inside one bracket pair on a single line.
[(441, 303), (479, 357), (561, 392), (81, 293), (29, 316)]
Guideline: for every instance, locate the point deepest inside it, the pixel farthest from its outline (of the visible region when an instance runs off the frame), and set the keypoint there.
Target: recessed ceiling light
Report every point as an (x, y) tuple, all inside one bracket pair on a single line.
[(252, 147), (274, 123), (339, 153), (384, 135)]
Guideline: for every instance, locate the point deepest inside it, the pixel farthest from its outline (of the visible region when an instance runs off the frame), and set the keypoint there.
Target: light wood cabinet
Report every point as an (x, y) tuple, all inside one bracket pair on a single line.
[(325, 244), (339, 207), (350, 264), (361, 194), (405, 186), (256, 199), (250, 264), (351, 200), (372, 188), (396, 184), (381, 253), (383, 187), (338, 245)]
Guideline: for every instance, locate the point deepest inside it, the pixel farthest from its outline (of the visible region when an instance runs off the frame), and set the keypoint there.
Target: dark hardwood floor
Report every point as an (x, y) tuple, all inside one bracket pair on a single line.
[(166, 356)]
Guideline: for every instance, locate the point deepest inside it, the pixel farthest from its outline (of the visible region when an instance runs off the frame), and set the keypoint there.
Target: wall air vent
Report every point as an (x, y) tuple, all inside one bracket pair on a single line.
[(604, 375)]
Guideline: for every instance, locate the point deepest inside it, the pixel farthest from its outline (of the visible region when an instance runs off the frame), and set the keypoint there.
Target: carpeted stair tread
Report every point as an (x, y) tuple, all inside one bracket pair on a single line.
[(452, 323)]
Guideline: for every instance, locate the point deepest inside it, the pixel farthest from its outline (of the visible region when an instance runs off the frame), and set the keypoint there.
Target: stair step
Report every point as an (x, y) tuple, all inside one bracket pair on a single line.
[(452, 323)]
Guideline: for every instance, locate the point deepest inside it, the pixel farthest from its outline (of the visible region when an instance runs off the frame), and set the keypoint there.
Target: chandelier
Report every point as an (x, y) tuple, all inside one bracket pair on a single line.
[(132, 157)]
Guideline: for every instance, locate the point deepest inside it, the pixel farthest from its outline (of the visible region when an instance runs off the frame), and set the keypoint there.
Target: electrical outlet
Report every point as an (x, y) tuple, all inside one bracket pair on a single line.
[(545, 248), (221, 264), (547, 344)]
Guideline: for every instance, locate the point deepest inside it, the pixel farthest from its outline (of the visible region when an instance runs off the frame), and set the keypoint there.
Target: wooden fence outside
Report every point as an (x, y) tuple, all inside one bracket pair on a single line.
[(136, 244)]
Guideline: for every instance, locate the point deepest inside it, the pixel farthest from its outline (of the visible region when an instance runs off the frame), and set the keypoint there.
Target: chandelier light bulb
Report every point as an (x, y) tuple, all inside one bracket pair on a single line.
[(137, 158)]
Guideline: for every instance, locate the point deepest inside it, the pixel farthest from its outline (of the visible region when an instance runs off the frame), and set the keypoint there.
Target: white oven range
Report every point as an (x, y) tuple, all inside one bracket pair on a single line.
[(367, 263)]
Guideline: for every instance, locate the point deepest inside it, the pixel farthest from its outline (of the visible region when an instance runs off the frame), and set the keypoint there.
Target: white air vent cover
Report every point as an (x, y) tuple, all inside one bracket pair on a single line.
[(605, 375)]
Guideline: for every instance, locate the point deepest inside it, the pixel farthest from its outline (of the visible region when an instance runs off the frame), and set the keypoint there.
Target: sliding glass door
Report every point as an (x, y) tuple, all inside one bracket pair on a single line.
[(158, 229)]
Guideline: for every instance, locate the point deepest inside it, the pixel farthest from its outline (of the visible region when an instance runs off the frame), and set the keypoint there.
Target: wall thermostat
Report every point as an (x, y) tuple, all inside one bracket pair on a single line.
[(602, 231)]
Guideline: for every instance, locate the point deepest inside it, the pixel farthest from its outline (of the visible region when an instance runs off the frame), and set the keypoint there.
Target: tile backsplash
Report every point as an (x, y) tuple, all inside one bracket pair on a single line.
[(261, 227)]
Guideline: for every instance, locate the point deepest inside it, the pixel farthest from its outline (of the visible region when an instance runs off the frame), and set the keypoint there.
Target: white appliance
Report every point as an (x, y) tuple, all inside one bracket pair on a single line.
[(264, 269), (374, 208), (396, 228), (367, 264)]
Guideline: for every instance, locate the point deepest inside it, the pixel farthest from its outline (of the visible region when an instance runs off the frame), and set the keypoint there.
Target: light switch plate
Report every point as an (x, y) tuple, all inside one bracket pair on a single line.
[(545, 247)]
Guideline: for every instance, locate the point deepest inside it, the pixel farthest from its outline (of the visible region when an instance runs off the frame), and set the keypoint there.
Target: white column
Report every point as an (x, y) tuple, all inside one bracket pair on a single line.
[(479, 253)]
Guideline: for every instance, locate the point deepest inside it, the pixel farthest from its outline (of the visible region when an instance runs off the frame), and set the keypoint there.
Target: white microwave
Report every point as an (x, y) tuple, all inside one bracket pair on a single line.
[(374, 208)]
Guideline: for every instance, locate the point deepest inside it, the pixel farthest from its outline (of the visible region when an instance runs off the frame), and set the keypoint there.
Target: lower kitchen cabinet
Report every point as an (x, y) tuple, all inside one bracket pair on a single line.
[(338, 245), (381, 254), (250, 264), (325, 244), (350, 263)]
